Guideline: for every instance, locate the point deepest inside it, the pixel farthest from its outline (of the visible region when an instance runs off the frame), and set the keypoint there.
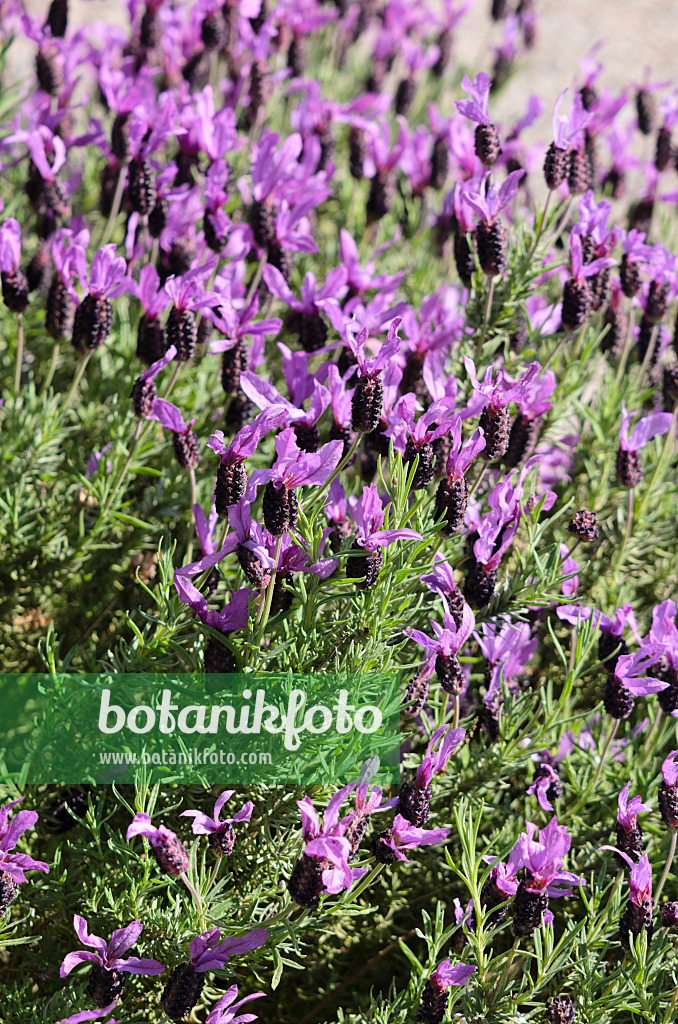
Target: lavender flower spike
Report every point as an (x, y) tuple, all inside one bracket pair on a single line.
[(435, 996), (165, 847), (220, 830)]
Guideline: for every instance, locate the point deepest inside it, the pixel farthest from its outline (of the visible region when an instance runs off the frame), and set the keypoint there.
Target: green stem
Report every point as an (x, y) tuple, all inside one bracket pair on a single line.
[(19, 353), (504, 974), (52, 368), (610, 736), (82, 366), (173, 379), (628, 340), (141, 424), (364, 884), (629, 527), (196, 900), (541, 227), (667, 866), (257, 277), (115, 208), (194, 501), (560, 227), (486, 319), (669, 1012), (476, 482), (266, 608), (455, 722)]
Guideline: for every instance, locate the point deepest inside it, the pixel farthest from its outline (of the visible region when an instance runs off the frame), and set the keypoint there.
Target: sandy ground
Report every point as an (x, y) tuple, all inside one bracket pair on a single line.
[(636, 34)]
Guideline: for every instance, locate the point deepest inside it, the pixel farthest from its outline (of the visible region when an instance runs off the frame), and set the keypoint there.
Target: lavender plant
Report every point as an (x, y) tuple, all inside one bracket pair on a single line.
[(284, 237)]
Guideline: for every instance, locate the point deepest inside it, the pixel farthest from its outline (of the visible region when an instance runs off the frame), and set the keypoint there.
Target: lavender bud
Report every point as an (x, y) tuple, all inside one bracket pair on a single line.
[(36, 271), (664, 149), (463, 257), (280, 508), (646, 110), (416, 696), (59, 310), (230, 486), (367, 403), (15, 290), (307, 437), (8, 891), (381, 195), (576, 304), (218, 659), (158, 217), (144, 393), (365, 568), (357, 152), (151, 343), (618, 699), (49, 69), (579, 172), (92, 323), (560, 1010), (668, 805), (433, 1005), (634, 920), (104, 986), (57, 18), (479, 584), (440, 162), (186, 449), (522, 439), (449, 673), (213, 31), (424, 472), (182, 331), (487, 144), (491, 244), (182, 991), (222, 842), (629, 468), (556, 166), (584, 525), (253, 569), (629, 275), (528, 908), (306, 884), (413, 803), (496, 424)]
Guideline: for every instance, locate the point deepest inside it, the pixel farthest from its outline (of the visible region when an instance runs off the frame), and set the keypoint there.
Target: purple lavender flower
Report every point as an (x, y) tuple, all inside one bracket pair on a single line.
[(496, 396), (628, 681), (225, 1011), (368, 395), (369, 516), (208, 953), (451, 500), (144, 391), (476, 109), (577, 298), (165, 847), (106, 980), (542, 858), (220, 830), (86, 1015), (664, 633), (638, 914), (324, 864), (413, 800), (389, 845), (668, 791), (444, 649), (188, 294), (94, 316), (542, 783), (435, 997), (231, 482), (13, 865), (184, 440), (629, 834), (629, 466), (14, 282), (292, 469)]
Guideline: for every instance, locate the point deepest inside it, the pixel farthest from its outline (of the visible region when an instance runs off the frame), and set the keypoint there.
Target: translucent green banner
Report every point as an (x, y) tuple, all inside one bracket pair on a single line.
[(247, 729)]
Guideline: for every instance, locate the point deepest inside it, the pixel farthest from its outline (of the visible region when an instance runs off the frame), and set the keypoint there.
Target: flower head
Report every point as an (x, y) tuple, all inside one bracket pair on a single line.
[(628, 810), (203, 825), (630, 671), (109, 955), (491, 200), (369, 515), (447, 974), (15, 864), (209, 952)]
